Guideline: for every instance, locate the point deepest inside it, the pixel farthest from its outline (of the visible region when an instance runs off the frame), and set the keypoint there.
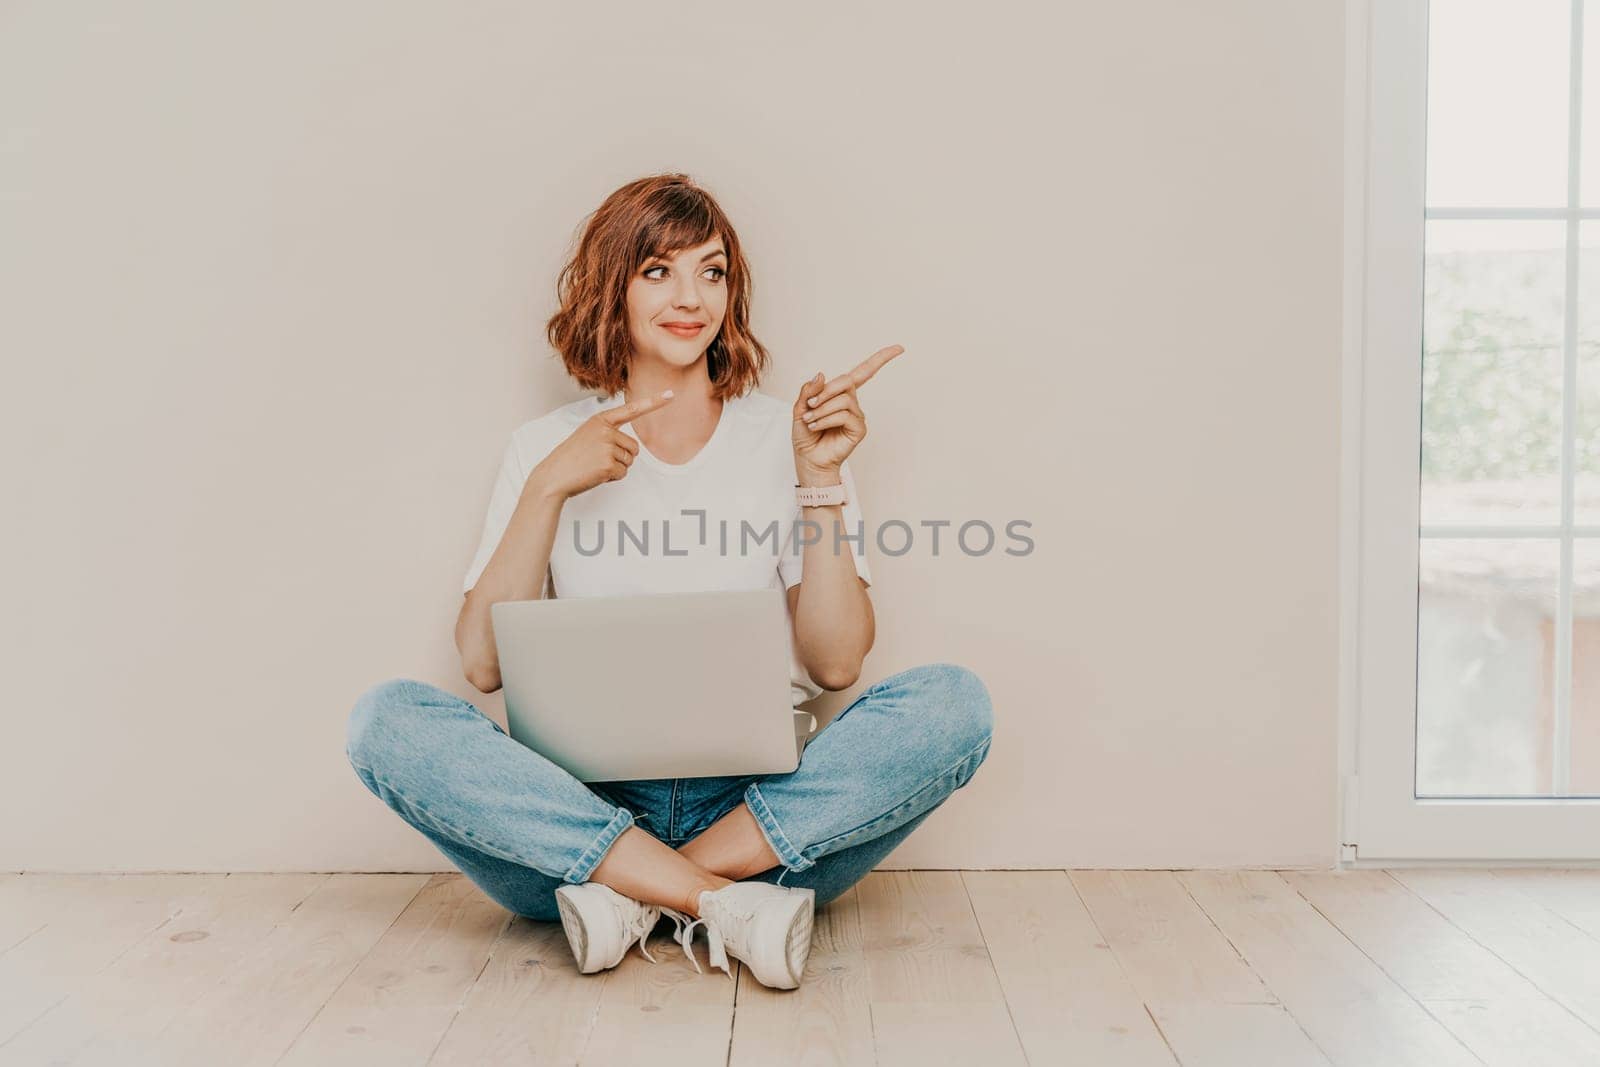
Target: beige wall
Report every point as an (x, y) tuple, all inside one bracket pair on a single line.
[(274, 282)]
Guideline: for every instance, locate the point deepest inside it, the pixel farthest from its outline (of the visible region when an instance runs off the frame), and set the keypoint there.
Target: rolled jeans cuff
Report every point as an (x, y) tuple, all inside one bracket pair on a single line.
[(584, 867), (787, 854)]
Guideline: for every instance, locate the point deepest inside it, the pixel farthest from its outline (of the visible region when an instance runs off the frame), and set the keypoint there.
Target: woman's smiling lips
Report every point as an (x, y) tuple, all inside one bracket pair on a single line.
[(684, 329)]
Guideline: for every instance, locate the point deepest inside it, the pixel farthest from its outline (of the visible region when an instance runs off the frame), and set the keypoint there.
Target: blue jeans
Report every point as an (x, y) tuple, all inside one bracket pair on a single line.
[(520, 826)]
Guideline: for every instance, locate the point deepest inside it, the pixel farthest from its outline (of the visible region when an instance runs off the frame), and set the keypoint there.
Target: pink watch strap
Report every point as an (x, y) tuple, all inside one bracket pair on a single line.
[(812, 496)]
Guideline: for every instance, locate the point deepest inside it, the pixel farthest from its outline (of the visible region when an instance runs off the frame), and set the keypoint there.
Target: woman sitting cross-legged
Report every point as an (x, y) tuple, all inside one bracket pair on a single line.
[(654, 319)]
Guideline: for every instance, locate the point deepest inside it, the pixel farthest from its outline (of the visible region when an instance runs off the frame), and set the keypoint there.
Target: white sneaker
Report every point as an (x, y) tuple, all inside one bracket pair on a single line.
[(602, 924), (765, 926)]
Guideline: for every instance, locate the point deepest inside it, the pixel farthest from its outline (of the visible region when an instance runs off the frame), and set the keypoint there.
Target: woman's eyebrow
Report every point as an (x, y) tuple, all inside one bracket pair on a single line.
[(708, 255)]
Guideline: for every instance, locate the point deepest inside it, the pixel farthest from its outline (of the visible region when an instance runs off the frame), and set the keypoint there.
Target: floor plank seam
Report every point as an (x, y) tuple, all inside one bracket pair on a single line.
[(22, 940), (466, 994), (1273, 993), (1552, 997), (1543, 906), (334, 992), (160, 926), (1468, 935), (1159, 1032), (988, 956), (733, 1011), (594, 1015), (1391, 979), (23, 1029), (1122, 967)]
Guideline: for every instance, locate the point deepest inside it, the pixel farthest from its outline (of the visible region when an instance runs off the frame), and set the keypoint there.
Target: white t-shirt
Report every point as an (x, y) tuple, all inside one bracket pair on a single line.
[(742, 479)]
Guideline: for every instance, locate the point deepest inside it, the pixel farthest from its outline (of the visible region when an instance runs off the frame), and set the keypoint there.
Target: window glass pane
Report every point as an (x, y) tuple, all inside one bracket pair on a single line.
[(1485, 664), (1497, 103), (1491, 371)]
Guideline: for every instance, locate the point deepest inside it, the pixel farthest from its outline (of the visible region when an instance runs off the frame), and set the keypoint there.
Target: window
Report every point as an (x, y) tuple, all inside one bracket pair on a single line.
[(1478, 706)]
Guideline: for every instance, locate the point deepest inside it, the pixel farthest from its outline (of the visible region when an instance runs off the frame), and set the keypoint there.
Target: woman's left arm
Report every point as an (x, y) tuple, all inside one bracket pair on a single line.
[(833, 622), (833, 619)]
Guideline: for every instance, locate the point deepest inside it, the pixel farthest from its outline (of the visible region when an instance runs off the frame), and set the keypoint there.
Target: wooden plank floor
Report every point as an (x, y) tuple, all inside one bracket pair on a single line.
[(1429, 967)]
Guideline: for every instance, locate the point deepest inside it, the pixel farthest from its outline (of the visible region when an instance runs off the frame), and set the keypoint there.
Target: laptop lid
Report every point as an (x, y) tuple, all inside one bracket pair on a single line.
[(662, 685)]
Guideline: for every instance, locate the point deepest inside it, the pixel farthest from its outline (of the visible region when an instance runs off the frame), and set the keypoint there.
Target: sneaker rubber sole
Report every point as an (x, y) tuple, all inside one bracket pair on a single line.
[(797, 947), (796, 941), (577, 933)]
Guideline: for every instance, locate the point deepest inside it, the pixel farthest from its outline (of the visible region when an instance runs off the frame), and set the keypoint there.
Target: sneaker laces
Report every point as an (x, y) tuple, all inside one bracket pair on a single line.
[(725, 925), (683, 933), (639, 925)]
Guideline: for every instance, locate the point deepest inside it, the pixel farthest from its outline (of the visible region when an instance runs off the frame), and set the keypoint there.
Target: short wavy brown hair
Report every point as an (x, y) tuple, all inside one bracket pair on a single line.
[(653, 216)]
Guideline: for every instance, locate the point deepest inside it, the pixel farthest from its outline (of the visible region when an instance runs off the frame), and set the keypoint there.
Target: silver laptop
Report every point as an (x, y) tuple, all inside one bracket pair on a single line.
[(667, 685)]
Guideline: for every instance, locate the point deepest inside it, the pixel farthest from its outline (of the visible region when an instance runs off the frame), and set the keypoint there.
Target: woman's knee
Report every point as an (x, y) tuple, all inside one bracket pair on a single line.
[(386, 716), (956, 698)]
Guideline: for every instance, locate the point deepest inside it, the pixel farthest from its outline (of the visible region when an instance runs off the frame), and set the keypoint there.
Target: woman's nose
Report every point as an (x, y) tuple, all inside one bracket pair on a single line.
[(687, 295)]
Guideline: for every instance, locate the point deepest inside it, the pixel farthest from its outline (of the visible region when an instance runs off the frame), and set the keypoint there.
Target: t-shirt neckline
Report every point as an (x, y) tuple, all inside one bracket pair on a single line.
[(695, 461)]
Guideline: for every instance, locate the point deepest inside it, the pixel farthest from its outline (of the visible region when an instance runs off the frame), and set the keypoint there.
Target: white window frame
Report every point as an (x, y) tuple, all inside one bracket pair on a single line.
[(1382, 820)]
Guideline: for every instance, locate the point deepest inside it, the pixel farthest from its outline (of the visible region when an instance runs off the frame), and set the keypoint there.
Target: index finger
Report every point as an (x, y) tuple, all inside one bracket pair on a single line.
[(862, 372), (856, 376), (624, 413)]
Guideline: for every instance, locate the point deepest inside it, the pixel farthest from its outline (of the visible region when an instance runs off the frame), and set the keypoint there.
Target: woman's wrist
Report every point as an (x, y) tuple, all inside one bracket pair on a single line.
[(807, 474), (539, 488)]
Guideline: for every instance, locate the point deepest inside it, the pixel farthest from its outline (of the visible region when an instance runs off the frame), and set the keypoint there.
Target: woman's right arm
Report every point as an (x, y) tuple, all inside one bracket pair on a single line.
[(597, 451), (515, 572)]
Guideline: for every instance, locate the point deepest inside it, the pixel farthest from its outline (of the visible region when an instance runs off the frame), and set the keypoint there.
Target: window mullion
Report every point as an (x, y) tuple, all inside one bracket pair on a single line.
[(1561, 727)]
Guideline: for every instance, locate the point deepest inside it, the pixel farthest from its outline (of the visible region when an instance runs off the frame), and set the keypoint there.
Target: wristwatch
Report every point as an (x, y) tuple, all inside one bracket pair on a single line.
[(816, 496)]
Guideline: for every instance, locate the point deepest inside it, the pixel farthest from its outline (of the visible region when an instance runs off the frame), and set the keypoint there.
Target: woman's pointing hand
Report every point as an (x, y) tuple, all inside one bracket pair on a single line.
[(828, 421), (597, 451)]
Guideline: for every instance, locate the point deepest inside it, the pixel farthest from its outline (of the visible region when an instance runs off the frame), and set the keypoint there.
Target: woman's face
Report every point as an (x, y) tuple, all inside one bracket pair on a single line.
[(689, 288)]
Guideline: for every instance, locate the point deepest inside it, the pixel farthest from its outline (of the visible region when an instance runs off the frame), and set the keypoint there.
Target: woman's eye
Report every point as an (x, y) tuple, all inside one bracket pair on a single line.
[(720, 273)]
